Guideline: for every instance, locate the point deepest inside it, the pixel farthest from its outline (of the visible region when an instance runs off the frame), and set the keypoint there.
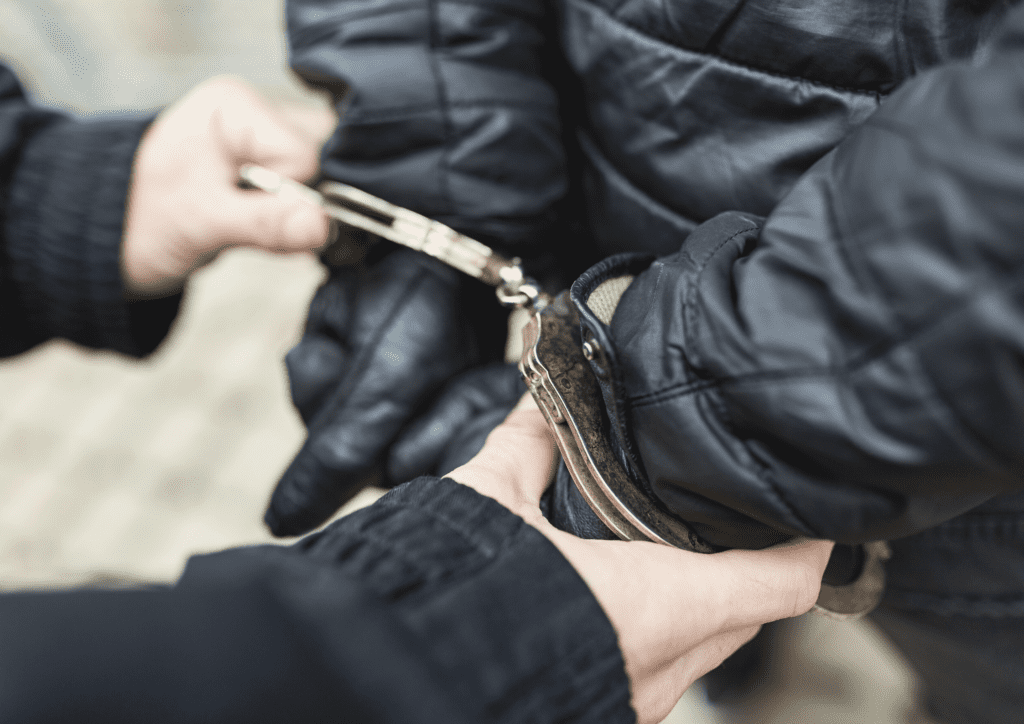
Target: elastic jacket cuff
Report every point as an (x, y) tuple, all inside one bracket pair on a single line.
[(507, 621), (64, 231)]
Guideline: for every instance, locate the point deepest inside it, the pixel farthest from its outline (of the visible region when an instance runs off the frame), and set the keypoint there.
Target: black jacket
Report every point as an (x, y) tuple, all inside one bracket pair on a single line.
[(830, 343), (434, 605)]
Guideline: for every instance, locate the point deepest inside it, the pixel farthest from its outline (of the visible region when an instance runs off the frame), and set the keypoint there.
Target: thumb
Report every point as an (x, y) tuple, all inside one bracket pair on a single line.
[(255, 218), (515, 465), (248, 130), (767, 585)]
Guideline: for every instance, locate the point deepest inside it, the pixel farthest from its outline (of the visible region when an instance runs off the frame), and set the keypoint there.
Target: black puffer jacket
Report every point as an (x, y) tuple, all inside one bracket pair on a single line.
[(848, 367), (386, 616)]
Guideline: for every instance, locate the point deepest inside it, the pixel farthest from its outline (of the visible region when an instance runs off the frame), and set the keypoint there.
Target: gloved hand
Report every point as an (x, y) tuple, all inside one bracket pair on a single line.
[(456, 426), (380, 341)]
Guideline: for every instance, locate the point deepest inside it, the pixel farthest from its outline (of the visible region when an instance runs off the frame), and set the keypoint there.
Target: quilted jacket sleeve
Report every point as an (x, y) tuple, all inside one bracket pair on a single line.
[(851, 367), (63, 187), (444, 108)]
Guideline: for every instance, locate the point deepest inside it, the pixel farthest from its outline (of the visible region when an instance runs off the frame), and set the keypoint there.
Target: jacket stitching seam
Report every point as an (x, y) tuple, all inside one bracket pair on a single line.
[(944, 413), (876, 94), (691, 321), (713, 392), (760, 471), (596, 155), (905, 338)]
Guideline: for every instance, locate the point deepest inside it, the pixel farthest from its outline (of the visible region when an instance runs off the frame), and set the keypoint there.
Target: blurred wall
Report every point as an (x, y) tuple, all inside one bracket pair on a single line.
[(102, 55), (116, 468)]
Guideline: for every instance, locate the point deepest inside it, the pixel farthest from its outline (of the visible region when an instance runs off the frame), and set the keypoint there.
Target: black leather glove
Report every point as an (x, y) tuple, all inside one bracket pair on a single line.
[(380, 340), (566, 509), (456, 426)]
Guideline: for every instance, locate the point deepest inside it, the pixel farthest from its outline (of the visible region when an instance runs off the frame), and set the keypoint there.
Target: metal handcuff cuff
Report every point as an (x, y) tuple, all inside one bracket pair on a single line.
[(555, 367)]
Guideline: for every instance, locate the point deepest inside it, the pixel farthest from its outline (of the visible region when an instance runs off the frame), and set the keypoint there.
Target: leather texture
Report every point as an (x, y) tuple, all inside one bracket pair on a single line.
[(492, 116), (381, 341), (455, 427)]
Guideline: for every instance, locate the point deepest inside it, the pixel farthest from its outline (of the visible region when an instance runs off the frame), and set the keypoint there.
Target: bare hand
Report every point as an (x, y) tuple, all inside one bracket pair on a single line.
[(677, 614), (184, 206)]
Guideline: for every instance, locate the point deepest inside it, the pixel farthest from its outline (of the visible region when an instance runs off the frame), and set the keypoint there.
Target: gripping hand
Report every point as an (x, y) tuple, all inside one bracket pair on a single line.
[(381, 341)]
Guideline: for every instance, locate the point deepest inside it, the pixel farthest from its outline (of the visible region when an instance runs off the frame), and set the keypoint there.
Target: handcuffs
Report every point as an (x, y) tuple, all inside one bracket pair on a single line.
[(555, 367)]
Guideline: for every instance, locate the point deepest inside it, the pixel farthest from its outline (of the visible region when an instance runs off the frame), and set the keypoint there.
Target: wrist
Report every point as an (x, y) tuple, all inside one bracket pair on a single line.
[(64, 232)]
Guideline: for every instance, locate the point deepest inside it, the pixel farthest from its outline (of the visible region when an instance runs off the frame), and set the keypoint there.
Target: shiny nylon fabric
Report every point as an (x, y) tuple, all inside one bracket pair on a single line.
[(445, 107), (849, 368), (695, 108), (669, 114)]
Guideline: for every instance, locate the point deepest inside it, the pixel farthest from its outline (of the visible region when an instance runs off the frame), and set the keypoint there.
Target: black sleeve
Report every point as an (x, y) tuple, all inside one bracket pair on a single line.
[(851, 367), (444, 105), (63, 189), (433, 605)]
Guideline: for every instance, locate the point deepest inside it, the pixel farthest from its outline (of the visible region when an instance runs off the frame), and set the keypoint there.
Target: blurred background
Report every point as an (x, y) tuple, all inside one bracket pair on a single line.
[(113, 470)]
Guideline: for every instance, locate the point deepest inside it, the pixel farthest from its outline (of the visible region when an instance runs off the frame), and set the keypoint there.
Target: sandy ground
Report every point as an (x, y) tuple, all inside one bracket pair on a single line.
[(114, 468)]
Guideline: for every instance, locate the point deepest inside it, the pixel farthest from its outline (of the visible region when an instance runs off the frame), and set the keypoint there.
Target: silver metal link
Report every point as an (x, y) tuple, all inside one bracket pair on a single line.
[(353, 207)]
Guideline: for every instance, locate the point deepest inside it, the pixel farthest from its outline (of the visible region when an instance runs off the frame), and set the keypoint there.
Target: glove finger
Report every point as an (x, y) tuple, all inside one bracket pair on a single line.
[(315, 366), (471, 439), (317, 363), (310, 491), (331, 309), (406, 341), (456, 426)]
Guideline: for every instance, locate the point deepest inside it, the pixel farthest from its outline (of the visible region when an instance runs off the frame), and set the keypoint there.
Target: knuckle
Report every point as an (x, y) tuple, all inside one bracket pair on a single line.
[(807, 585)]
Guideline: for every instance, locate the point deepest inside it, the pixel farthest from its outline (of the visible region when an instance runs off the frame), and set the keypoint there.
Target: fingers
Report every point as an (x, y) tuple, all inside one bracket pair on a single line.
[(679, 614), (253, 132), (738, 588), (404, 341), (313, 487), (255, 218), (516, 462), (318, 362), (184, 205), (315, 366), (455, 428), (250, 131), (772, 584), (664, 602)]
